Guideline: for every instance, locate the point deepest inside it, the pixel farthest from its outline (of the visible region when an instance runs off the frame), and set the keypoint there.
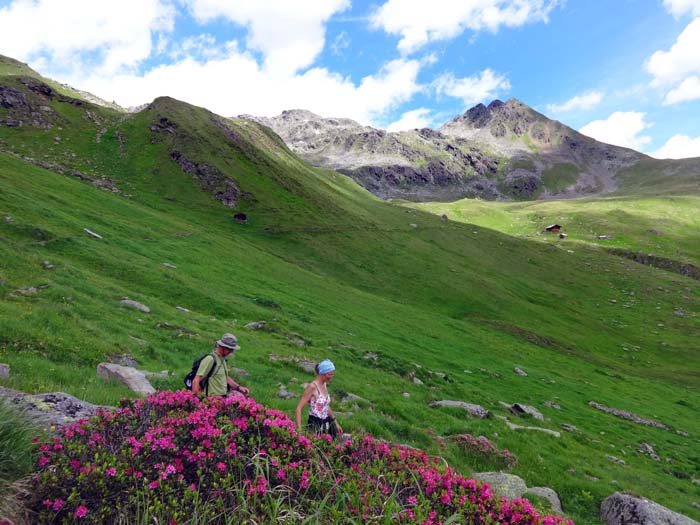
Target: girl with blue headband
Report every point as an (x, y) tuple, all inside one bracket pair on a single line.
[(321, 419)]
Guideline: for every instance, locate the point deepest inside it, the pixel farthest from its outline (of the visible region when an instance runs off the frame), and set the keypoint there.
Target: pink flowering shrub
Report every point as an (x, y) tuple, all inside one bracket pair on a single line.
[(175, 458), (484, 453)]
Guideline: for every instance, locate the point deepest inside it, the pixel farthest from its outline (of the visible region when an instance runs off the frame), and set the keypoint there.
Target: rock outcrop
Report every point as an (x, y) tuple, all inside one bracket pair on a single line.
[(623, 509), (52, 410)]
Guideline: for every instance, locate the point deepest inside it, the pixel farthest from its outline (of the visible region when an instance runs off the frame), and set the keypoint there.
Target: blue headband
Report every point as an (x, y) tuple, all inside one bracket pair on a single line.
[(325, 366)]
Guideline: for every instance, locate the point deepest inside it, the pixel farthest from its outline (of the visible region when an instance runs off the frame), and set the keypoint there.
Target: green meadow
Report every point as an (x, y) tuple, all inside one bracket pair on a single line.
[(411, 308)]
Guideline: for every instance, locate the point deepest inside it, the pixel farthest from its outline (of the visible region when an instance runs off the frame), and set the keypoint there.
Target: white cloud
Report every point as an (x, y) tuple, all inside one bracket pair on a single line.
[(680, 7), (689, 89), (472, 89), (414, 119), (216, 85), (71, 35), (419, 23), (620, 129), (579, 102), (290, 33), (678, 147), (682, 60)]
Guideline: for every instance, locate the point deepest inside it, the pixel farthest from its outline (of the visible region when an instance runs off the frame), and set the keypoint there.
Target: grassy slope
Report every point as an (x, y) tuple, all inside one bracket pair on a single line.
[(352, 278)]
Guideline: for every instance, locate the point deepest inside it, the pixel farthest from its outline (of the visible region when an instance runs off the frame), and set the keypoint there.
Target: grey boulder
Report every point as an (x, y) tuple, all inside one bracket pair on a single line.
[(623, 509), (54, 409), (132, 378), (476, 411)]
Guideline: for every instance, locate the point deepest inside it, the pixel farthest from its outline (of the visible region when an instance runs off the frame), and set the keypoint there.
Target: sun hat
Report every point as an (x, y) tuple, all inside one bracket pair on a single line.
[(228, 341), (325, 366)]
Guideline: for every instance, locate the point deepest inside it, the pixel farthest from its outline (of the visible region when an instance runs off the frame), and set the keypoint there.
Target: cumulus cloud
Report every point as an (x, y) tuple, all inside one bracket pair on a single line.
[(128, 51), (419, 23), (414, 119), (689, 89), (678, 147), (620, 129), (472, 89), (72, 35), (682, 60), (216, 84), (680, 7), (290, 34), (579, 102)]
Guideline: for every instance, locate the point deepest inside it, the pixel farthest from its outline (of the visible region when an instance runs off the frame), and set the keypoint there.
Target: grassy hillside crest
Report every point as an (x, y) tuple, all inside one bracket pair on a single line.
[(412, 309)]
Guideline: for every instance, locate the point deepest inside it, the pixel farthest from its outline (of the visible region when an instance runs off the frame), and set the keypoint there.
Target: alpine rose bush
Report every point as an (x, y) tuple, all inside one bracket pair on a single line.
[(482, 450), (176, 458)]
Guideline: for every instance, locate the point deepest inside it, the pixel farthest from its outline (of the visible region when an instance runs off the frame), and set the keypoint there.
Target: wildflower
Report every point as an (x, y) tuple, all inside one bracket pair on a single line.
[(81, 511), (304, 479), (111, 471), (57, 504), (220, 466), (153, 484)]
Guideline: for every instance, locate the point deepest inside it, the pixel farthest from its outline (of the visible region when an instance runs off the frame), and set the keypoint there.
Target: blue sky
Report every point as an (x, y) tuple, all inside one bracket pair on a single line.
[(623, 71)]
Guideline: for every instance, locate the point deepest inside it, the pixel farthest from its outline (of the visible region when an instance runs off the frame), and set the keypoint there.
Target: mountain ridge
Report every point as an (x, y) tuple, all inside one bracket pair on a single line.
[(503, 151)]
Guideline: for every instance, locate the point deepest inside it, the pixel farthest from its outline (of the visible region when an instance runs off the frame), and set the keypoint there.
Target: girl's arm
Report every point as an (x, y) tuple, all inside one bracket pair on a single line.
[(305, 398)]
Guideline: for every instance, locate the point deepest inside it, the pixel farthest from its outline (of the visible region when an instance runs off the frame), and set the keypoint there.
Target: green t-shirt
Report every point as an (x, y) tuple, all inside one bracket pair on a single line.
[(217, 381)]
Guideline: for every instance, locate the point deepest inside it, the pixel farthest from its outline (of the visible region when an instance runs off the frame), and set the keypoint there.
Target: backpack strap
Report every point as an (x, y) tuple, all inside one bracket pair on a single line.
[(209, 374)]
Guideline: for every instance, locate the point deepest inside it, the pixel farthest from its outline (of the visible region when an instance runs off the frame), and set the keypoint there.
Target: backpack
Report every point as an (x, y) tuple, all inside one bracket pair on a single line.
[(204, 383)]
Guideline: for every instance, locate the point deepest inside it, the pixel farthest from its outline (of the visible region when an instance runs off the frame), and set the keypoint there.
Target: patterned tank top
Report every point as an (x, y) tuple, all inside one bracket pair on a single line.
[(318, 404)]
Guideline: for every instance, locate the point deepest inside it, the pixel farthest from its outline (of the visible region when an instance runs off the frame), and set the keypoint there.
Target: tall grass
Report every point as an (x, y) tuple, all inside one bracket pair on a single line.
[(17, 457)]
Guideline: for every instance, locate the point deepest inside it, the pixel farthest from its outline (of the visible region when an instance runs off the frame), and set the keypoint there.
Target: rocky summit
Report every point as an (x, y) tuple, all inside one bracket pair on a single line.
[(503, 151)]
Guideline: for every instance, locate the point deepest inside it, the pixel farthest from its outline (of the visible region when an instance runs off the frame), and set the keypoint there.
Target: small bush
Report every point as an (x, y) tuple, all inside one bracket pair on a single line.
[(483, 454), (175, 458)]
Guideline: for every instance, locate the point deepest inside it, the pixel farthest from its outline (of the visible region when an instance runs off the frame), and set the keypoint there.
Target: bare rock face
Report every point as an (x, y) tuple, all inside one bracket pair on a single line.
[(54, 409), (210, 179), (132, 378), (623, 509), (476, 411), (499, 151)]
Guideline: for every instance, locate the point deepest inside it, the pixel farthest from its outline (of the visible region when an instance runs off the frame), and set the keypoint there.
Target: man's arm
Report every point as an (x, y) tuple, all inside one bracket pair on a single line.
[(234, 386), (196, 388)]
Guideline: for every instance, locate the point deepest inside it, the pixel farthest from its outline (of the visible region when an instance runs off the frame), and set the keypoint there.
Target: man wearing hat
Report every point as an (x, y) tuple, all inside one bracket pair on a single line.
[(219, 380)]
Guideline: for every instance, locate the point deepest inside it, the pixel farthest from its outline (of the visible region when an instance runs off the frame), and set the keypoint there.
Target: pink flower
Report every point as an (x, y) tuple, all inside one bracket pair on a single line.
[(220, 466), (57, 504), (111, 471), (153, 484), (81, 511), (304, 480)]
